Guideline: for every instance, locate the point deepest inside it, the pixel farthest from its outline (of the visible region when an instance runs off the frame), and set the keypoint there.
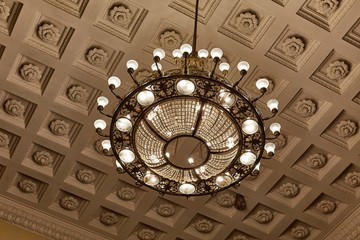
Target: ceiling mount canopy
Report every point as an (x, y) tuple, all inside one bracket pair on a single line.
[(190, 130)]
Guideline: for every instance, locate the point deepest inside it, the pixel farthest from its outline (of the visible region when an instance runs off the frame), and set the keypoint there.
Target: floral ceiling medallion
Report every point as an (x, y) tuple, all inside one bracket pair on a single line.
[(49, 33), (293, 46), (305, 108), (120, 15), (30, 73), (14, 108), (59, 127), (43, 158), (337, 70), (170, 39), (326, 7), (346, 128), (246, 22), (78, 94), (316, 161)]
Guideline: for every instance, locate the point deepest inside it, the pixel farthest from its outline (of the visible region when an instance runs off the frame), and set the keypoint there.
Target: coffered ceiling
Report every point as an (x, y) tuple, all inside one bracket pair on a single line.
[(56, 56)]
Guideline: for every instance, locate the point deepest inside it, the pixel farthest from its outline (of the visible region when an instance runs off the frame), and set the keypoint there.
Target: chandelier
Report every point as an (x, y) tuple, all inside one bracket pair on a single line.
[(188, 131)]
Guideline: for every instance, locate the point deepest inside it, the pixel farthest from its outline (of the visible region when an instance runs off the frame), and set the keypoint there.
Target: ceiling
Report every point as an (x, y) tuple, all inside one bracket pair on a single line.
[(56, 56)]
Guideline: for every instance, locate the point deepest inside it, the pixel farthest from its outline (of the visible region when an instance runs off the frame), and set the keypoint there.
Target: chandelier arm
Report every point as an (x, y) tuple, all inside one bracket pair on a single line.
[(185, 63), (101, 110), (195, 28), (131, 72), (117, 96), (158, 69), (100, 133), (275, 136), (274, 112), (216, 60), (243, 73), (107, 153), (260, 96)]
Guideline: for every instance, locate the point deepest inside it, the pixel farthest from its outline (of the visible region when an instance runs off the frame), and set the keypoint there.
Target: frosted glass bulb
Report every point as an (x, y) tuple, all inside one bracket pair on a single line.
[(126, 156), (102, 101), (243, 65), (216, 52), (223, 181), (247, 158), (115, 81), (250, 126), (158, 52), (275, 127), (106, 144), (273, 104), (118, 165), (226, 99), (123, 124), (145, 98), (177, 53), (203, 53), (185, 87), (224, 66), (151, 179), (153, 66), (187, 188), (132, 64), (262, 83), (270, 148), (186, 48), (100, 124)]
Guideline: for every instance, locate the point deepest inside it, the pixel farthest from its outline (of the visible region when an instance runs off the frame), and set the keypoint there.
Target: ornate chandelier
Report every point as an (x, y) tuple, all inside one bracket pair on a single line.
[(188, 131)]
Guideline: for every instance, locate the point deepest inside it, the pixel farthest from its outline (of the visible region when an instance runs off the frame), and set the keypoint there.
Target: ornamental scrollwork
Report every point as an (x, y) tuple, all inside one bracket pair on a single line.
[(326, 7), (14, 108), (27, 186), (170, 39), (289, 190), (97, 57), (204, 226), (49, 33), (300, 232), (4, 140), (353, 179), (225, 200), (42, 158), (346, 128), (293, 46), (326, 206), (316, 161), (59, 127), (337, 70), (78, 94), (146, 234), (305, 107), (165, 210), (69, 203), (86, 176), (109, 218), (30, 73), (263, 216), (247, 22), (126, 193), (4, 10), (120, 15)]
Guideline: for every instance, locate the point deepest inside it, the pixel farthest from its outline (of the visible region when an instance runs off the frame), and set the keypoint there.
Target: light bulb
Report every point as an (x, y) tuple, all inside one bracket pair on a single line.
[(118, 165), (247, 158), (158, 52), (224, 66), (186, 48), (100, 124), (216, 53), (187, 188), (223, 180), (185, 87), (273, 104), (114, 81), (203, 53), (243, 66), (132, 64), (102, 101), (151, 179), (145, 98), (262, 83), (123, 124), (154, 68), (126, 155), (275, 128), (226, 99), (270, 148), (191, 160), (177, 53), (250, 126), (106, 144)]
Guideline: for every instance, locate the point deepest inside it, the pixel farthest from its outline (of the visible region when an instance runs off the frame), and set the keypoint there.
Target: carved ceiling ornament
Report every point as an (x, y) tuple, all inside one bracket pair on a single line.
[(4, 10), (305, 107), (98, 147), (353, 179), (86, 176), (300, 232), (49, 33), (120, 15), (59, 127), (69, 203), (239, 237), (326, 7), (280, 142), (14, 108), (146, 234), (27, 186), (293, 46), (109, 218), (289, 190), (204, 226), (78, 94), (170, 39), (326, 206), (42, 158), (126, 193), (346, 128), (225, 200), (316, 161), (165, 210), (337, 70), (246, 22), (30, 73), (4, 140), (263, 216), (97, 57)]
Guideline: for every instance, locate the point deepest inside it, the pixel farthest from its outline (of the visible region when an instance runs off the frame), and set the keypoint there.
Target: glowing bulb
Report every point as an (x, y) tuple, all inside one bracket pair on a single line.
[(115, 81), (247, 158), (186, 48), (191, 160), (123, 124), (243, 66), (275, 128), (100, 124), (224, 66), (223, 181), (185, 87), (177, 53), (262, 83), (250, 126), (118, 165), (216, 53), (273, 104), (126, 155), (158, 52), (145, 98), (270, 148), (167, 154), (154, 68), (102, 101), (226, 99), (186, 188), (132, 64), (106, 144), (151, 179), (203, 53)]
